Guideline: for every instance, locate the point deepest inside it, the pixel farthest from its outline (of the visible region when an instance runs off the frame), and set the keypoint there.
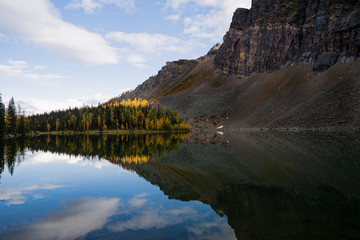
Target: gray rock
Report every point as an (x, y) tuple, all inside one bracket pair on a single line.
[(273, 33)]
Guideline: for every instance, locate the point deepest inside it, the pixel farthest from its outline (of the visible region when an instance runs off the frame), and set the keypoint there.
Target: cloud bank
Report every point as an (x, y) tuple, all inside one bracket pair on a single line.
[(38, 22), (139, 48)]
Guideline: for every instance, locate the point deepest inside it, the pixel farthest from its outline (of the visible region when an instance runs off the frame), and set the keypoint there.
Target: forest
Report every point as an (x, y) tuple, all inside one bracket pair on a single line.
[(117, 114)]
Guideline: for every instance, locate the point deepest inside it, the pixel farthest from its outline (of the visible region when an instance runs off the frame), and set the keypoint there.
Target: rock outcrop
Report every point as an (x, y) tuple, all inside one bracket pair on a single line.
[(283, 64), (168, 77), (273, 34)]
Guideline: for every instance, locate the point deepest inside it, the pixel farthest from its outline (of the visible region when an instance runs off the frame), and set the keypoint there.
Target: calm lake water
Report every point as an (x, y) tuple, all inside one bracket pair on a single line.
[(211, 186)]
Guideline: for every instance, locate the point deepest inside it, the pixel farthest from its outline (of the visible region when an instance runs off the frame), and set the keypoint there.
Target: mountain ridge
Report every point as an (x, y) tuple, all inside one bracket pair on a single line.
[(296, 70)]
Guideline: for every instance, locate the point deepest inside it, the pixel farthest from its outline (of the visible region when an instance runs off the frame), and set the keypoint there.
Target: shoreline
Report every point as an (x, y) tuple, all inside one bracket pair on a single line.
[(109, 132), (277, 129)]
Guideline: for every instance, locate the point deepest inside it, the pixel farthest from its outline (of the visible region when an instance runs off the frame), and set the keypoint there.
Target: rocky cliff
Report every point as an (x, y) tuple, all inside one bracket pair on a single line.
[(283, 64), (273, 34)]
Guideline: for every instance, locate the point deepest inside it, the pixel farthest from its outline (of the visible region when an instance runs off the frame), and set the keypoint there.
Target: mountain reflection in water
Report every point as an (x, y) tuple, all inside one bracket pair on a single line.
[(270, 186)]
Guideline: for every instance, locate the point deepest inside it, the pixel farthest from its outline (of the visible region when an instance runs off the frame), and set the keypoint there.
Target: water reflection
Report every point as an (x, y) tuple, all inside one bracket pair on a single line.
[(138, 218), (77, 218), (297, 186), (19, 196), (122, 150), (269, 186), (150, 215)]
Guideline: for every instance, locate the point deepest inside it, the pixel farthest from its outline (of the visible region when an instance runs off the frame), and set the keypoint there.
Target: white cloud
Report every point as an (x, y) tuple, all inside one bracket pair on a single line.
[(175, 4), (79, 217), (150, 43), (136, 60), (33, 106), (89, 6), (214, 23), (39, 67), (173, 18), (21, 69), (19, 196), (139, 48), (39, 22), (128, 5)]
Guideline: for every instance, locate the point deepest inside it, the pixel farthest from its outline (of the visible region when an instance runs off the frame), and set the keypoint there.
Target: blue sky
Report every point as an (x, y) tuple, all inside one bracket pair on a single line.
[(56, 54)]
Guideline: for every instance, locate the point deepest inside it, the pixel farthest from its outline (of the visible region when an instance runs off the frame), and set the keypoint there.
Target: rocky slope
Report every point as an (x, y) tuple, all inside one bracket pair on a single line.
[(283, 64), (276, 33)]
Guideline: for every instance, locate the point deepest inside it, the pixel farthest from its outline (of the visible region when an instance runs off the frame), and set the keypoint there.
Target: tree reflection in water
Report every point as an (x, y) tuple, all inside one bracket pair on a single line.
[(118, 149), (294, 186)]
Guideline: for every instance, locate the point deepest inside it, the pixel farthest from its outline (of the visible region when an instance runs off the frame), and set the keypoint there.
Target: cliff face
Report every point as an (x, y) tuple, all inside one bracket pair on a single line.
[(283, 64), (273, 34)]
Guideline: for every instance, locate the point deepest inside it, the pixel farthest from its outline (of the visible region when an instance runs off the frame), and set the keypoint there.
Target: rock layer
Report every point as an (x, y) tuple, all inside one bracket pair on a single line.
[(276, 33)]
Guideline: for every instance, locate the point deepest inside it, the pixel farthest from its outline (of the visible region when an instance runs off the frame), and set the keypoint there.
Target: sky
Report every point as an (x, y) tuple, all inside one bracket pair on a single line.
[(57, 54)]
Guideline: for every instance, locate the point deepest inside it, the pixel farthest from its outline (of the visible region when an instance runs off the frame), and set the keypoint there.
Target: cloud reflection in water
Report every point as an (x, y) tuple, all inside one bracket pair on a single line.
[(78, 218), (150, 215), (48, 157), (19, 196), (111, 216)]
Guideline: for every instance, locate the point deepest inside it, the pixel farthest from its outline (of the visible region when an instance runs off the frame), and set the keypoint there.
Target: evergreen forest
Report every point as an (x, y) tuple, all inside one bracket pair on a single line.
[(115, 115)]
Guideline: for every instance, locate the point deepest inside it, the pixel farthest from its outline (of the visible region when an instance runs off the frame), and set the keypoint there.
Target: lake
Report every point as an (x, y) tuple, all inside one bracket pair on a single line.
[(238, 185)]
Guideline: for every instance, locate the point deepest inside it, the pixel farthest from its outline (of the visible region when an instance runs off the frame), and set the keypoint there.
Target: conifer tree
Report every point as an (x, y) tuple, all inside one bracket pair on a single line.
[(2, 118), (21, 126), (130, 115), (11, 117)]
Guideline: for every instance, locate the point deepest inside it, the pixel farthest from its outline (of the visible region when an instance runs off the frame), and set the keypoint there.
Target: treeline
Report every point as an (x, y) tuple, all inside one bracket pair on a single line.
[(124, 150), (136, 114)]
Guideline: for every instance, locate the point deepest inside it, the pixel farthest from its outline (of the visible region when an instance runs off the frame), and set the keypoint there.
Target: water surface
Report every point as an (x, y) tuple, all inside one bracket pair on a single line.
[(237, 186)]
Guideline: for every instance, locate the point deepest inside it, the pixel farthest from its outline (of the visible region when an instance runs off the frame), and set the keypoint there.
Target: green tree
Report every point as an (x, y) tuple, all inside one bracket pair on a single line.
[(11, 117), (22, 126), (21, 123), (2, 118)]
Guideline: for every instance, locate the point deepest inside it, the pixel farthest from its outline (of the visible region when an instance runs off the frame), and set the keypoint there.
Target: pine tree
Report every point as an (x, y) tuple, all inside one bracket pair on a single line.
[(2, 118), (11, 117)]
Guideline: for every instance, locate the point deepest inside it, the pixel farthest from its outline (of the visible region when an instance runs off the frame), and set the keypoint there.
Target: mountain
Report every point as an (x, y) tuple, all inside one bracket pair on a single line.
[(282, 64)]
